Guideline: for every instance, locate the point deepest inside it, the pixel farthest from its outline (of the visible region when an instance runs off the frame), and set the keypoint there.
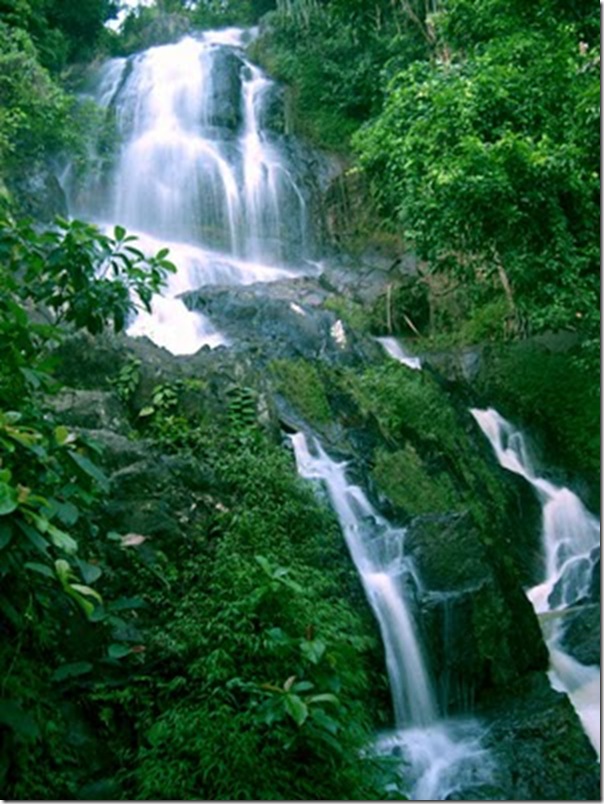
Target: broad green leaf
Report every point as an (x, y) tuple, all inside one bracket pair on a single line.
[(62, 540), (40, 521), (63, 435), (302, 686), (67, 513), (146, 411), (296, 709), (71, 670), (8, 499), (295, 587), (34, 537), (64, 571), (86, 606), (324, 697), (325, 721), (265, 564), (119, 232), (41, 569), (86, 590), (289, 683), (313, 650), (91, 469), (118, 651), (90, 572)]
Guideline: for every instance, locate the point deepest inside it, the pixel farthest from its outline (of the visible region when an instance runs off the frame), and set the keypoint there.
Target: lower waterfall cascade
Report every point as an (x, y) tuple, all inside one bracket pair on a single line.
[(441, 757), (571, 547)]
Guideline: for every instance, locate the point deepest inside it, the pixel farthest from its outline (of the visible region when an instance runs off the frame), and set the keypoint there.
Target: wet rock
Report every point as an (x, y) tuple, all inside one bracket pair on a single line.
[(117, 451), (38, 194), (159, 496), (272, 116), (540, 750), (481, 632), (581, 630), (224, 105), (91, 410), (276, 322), (87, 361), (163, 29)]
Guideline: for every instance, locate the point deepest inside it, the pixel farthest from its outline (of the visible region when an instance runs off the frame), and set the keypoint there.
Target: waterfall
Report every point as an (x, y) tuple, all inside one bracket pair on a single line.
[(197, 172), (393, 347), (442, 757), (570, 549)]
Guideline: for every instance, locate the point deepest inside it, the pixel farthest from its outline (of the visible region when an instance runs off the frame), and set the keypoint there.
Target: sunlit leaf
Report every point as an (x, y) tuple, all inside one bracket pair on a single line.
[(118, 651), (61, 539), (41, 569), (296, 709)]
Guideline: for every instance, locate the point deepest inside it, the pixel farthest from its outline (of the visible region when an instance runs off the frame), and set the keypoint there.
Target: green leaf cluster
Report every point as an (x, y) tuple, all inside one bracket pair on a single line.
[(55, 622), (486, 155)]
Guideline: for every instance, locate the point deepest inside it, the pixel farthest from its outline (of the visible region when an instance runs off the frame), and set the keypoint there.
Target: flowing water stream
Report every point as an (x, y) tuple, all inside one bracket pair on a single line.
[(571, 548), (197, 172), (440, 757)]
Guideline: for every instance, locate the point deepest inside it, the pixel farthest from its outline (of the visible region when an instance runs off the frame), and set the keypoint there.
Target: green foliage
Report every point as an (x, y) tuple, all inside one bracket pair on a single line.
[(77, 274), (300, 382), (351, 312), (242, 413), (62, 31), (50, 482), (127, 380), (273, 652), (331, 54), (34, 111), (486, 157)]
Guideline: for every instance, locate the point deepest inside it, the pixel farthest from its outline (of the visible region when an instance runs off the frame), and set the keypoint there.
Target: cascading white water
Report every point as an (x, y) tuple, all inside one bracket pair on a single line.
[(570, 539), (442, 757), (393, 347), (198, 174)]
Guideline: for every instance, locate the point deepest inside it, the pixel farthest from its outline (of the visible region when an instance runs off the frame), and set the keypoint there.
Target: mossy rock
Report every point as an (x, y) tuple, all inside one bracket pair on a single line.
[(410, 485), (480, 629), (540, 750), (301, 383)]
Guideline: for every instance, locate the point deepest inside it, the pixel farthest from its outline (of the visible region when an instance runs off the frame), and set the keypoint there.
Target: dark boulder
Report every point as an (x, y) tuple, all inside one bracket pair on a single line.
[(224, 104), (581, 634), (479, 628), (38, 194), (540, 750)]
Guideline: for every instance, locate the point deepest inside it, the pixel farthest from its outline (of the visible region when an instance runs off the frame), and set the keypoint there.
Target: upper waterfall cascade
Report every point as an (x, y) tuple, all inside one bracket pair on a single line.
[(198, 172), (571, 547)]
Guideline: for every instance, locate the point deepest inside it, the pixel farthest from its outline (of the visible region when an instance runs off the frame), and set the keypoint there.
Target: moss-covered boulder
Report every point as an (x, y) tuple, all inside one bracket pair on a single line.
[(480, 630)]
